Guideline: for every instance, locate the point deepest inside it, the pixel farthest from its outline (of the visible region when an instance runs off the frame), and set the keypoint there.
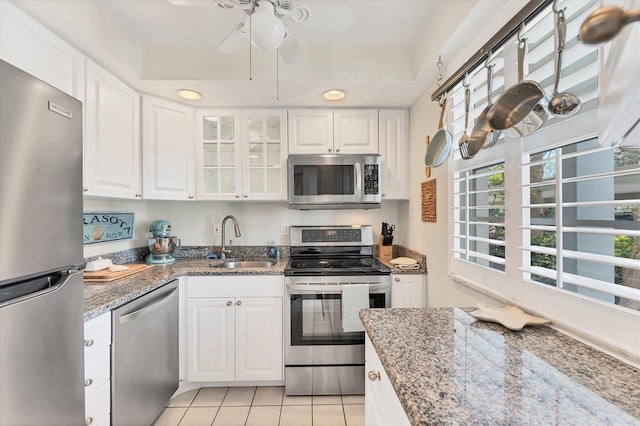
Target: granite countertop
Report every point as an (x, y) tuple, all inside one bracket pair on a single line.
[(449, 368), (102, 297)]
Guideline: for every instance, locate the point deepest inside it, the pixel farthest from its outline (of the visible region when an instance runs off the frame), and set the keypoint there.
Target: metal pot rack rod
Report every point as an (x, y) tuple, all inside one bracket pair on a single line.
[(525, 14)]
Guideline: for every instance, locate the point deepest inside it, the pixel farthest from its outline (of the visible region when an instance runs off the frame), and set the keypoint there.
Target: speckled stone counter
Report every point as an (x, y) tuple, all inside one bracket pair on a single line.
[(100, 298), (449, 368), (401, 251)]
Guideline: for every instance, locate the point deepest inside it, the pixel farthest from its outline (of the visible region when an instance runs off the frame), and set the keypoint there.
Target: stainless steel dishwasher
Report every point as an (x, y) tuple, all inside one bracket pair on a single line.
[(144, 361)]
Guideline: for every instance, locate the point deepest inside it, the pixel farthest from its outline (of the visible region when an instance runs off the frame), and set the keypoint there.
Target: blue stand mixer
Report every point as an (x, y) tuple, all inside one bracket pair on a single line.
[(161, 244)]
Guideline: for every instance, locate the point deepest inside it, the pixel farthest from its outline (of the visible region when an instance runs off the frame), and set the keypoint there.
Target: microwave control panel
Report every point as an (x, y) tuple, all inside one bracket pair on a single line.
[(371, 179)]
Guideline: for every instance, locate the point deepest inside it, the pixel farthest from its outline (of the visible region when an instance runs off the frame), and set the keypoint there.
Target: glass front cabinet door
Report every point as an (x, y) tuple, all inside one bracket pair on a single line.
[(242, 154)]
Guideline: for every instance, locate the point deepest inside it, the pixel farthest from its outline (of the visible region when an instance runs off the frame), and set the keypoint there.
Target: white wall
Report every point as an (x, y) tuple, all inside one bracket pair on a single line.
[(431, 238), (259, 222)]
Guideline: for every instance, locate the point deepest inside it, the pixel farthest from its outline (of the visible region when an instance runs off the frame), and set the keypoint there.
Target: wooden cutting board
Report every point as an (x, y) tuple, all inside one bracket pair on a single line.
[(105, 275)]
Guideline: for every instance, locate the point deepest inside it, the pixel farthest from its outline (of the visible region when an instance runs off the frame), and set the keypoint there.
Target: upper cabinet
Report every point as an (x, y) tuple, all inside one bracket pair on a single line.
[(355, 131), (29, 46), (325, 131), (168, 171), (264, 153), (394, 151), (111, 136), (241, 155)]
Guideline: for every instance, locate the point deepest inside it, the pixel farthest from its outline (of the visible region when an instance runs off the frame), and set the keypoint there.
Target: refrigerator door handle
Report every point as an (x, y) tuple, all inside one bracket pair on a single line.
[(145, 309)]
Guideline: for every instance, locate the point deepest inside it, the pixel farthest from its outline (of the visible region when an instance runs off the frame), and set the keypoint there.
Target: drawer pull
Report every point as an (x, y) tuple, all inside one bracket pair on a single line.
[(88, 382), (374, 375), (89, 342), (88, 420)]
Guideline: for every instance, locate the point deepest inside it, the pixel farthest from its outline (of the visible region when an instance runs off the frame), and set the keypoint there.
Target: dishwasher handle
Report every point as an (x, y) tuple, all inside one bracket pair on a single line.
[(146, 309)]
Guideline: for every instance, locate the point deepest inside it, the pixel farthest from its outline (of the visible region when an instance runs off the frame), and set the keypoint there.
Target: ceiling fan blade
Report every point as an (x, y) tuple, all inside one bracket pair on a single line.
[(193, 3), (290, 49), (234, 40), (321, 16)]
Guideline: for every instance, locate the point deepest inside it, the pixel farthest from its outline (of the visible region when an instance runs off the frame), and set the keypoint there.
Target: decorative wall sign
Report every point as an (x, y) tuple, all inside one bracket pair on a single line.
[(102, 227), (429, 201)]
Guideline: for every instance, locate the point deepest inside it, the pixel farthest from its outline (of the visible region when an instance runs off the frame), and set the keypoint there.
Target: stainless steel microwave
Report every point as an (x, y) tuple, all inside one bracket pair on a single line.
[(328, 181)]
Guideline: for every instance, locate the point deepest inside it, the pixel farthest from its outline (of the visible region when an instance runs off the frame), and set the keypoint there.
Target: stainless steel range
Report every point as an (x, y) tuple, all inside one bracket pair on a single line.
[(332, 269)]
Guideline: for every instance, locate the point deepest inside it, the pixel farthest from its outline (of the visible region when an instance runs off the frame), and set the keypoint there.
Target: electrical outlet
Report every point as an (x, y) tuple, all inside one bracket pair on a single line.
[(284, 229), (217, 229)]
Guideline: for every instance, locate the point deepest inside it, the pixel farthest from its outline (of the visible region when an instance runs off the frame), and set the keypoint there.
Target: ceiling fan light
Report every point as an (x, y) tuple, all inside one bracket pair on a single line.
[(267, 30), (334, 94)]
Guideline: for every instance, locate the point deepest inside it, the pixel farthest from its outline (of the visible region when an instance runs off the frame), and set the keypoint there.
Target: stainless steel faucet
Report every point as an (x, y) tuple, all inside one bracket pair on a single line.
[(236, 228)]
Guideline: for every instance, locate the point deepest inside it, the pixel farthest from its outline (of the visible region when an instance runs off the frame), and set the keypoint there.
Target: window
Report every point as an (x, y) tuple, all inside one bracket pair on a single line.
[(551, 220), (479, 210), (583, 214)]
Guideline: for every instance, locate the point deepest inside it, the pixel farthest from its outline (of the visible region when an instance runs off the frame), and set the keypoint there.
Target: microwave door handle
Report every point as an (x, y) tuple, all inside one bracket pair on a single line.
[(358, 178)]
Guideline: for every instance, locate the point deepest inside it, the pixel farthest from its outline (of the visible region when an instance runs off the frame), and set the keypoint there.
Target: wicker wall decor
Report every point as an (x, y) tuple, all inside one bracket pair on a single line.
[(429, 201)]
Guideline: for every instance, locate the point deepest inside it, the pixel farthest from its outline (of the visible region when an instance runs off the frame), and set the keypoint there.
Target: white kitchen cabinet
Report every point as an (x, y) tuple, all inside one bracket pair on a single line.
[(168, 170), (97, 369), (264, 154), (111, 136), (325, 131), (28, 45), (241, 154), (310, 131), (407, 290), (355, 131), (393, 133), (234, 329), (381, 404)]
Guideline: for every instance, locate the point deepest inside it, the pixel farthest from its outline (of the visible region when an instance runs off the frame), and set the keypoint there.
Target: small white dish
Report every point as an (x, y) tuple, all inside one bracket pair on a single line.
[(403, 261), (509, 316)]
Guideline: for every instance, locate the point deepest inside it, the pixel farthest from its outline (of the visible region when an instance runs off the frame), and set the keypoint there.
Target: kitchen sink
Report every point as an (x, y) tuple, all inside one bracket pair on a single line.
[(246, 264)]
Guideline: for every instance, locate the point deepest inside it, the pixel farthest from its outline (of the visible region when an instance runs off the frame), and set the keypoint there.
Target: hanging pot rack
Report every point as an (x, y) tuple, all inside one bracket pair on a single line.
[(531, 9)]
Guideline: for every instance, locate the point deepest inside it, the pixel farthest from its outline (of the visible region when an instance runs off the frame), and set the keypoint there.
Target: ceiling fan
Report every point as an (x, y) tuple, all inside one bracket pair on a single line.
[(269, 23)]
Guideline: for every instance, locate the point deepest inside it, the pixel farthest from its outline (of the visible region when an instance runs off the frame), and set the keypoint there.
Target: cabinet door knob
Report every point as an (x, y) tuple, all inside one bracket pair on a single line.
[(374, 375), (88, 382), (89, 342), (229, 303), (397, 279), (88, 420), (245, 196), (239, 302), (191, 197), (138, 195), (85, 189), (330, 150), (338, 150), (237, 196)]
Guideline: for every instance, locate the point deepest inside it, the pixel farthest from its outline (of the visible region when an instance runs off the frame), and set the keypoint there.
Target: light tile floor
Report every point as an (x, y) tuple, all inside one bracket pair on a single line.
[(261, 406)]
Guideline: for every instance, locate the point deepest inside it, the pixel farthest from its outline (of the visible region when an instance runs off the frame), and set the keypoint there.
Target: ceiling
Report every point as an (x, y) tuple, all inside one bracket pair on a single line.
[(384, 57)]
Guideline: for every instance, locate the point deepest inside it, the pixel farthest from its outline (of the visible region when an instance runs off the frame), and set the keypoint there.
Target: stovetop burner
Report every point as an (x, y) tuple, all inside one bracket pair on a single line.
[(333, 250)]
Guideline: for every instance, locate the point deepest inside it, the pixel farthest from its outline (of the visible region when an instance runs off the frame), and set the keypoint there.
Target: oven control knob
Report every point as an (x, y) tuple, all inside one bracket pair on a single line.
[(239, 302), (374, 375), (229, 303)]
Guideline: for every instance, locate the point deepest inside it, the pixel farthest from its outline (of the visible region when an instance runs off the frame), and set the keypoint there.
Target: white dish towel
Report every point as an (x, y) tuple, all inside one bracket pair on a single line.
[(354, 298)]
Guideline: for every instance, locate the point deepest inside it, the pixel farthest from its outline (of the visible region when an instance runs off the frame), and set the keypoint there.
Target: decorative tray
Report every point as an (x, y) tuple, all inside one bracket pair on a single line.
[(509, 316)]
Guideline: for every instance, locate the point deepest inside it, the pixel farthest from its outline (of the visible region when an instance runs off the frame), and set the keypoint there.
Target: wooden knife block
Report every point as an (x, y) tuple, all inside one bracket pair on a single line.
[(384, 252)]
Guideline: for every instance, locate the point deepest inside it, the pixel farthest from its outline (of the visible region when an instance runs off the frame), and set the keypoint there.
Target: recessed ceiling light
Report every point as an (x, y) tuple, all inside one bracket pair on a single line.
[(190, 95), (334, 94)]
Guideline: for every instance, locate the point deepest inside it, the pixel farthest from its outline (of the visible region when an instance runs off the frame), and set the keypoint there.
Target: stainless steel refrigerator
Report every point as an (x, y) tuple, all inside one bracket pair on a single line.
[(41, 303)]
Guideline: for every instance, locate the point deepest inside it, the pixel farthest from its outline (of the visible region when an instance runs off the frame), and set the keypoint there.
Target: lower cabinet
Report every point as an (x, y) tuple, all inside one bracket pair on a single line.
[(381, 404), (407, 290), (97, 370), (234, 328)]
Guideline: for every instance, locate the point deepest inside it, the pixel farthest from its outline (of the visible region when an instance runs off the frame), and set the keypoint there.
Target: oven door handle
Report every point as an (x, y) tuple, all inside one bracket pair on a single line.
[(358, 179), (330, 288)]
